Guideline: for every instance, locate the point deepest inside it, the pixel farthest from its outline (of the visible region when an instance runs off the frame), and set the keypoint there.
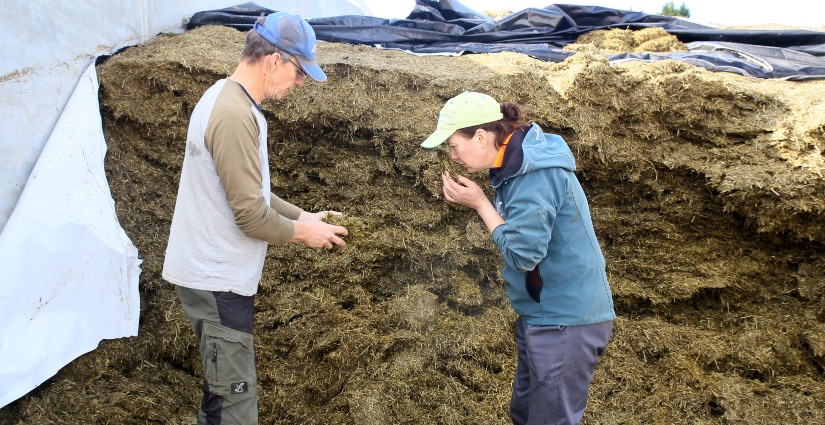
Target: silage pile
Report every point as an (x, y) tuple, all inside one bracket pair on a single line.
[(706, 191)]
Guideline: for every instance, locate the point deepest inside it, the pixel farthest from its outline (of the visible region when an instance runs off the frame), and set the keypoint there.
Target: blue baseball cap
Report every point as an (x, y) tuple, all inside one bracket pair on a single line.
[(294, 36)]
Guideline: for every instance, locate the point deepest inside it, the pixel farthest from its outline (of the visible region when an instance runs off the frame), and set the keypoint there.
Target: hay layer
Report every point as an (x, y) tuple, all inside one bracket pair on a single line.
[(706, 191)]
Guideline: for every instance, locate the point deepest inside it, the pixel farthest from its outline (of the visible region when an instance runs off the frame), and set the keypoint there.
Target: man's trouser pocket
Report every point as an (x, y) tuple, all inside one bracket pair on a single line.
[(229, 360), (229, 371)]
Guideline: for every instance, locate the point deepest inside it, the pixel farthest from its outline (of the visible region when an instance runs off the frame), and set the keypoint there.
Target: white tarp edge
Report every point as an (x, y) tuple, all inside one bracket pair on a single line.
[(69, 273)]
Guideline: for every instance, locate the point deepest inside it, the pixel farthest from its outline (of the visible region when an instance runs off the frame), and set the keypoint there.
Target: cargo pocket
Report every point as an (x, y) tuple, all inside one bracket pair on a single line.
[(228, 361)]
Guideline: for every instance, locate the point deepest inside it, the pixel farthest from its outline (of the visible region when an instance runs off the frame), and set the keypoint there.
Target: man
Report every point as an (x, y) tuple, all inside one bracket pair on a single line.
[(225, 214)]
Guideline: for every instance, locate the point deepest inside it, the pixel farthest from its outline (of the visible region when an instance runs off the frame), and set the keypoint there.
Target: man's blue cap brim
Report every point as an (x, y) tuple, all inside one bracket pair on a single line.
[(313, 69)]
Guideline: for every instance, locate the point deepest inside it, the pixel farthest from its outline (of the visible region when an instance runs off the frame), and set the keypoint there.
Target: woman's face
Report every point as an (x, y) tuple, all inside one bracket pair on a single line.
[(472, 153)]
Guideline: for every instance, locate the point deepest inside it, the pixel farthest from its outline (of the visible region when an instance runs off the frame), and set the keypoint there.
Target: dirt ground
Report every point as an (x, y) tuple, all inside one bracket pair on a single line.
[(706, 191)]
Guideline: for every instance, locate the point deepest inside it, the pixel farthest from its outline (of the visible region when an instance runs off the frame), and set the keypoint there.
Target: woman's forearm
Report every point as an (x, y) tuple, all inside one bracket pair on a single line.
[(489, 216)]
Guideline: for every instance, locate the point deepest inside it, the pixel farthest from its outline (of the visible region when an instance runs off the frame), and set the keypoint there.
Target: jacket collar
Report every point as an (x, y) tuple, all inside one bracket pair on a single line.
[(513, 158)]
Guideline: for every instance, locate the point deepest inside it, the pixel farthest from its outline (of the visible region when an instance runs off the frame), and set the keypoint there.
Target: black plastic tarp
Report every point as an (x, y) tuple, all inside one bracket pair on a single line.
[(448, 26)]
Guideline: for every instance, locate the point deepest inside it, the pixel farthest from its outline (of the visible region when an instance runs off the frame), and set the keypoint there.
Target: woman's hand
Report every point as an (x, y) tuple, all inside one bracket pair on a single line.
[(463, 191), (466, 192), (318, 216)]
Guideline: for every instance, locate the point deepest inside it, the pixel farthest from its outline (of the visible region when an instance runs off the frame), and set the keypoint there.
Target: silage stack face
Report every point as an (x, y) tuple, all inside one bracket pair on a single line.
[(706, 192)]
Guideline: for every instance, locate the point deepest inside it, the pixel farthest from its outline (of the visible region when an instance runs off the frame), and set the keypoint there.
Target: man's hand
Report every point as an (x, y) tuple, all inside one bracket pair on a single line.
[(317, 234), (318, 216)]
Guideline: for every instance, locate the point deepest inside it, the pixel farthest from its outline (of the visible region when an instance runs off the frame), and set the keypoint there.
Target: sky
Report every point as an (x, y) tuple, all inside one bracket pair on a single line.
[(802, 13)]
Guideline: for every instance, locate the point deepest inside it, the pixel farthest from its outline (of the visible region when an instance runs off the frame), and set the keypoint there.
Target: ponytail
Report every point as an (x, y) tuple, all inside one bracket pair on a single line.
[(512, 111)]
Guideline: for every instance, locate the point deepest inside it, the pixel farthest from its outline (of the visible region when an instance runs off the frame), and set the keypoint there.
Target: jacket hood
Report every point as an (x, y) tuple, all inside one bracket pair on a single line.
[(531, 149)]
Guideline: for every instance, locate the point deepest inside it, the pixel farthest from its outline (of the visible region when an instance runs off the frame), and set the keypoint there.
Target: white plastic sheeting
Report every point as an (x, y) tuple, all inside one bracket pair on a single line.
[(69, 273)]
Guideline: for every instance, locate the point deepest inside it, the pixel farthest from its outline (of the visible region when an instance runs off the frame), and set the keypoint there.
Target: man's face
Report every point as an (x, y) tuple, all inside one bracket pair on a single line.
[(286, 74)]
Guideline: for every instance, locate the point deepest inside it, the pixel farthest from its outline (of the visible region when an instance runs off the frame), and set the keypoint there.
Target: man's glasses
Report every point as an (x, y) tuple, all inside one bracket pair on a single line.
[(298, 67)]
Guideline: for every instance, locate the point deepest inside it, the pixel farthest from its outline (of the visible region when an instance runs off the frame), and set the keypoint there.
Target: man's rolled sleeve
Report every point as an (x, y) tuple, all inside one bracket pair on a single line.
[(284, 208)]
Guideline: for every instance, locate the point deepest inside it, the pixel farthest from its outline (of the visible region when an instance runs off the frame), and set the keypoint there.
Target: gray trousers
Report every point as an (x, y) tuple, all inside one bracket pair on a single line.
[(223, 323), (555, 368)]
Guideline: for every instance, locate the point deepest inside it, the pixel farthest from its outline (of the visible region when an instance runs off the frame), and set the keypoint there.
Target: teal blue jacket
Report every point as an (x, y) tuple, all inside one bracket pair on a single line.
[(548, 230)]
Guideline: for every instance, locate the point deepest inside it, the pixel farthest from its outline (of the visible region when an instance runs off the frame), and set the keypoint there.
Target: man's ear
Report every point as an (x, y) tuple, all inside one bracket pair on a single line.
[(273, 61)]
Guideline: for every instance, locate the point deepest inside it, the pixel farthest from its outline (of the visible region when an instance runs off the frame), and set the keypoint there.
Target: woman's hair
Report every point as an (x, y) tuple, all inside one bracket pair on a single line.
[(513, 119), (256, 46)]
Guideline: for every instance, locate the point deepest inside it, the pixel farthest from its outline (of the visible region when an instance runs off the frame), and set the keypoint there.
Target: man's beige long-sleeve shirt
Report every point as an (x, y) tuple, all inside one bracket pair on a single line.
[(225, 214)]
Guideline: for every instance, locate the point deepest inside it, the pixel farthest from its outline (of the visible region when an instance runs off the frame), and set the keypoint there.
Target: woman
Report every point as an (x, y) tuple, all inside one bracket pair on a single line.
[(553, 266)]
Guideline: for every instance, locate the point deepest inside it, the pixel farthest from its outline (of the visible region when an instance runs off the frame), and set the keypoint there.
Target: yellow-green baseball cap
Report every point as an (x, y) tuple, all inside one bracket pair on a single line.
[(465, 110)]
